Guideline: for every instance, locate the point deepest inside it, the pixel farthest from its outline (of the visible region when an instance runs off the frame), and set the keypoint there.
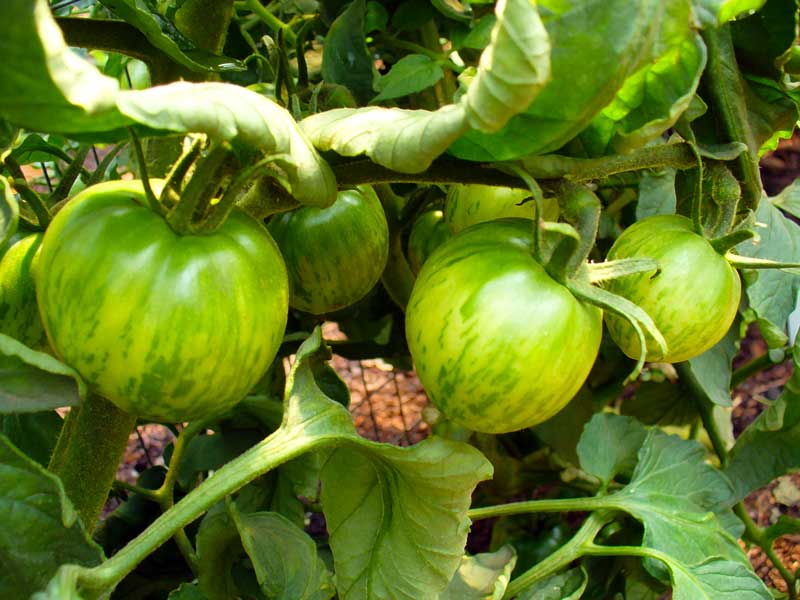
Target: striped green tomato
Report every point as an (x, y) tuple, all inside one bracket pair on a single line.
[(19, 313), (334, 255), (692, 299), (467, 205), (428, 232), (498, 344), (168, 327)]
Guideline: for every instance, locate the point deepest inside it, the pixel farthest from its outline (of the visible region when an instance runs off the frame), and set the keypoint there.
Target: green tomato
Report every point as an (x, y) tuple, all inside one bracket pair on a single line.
[(428, 233), (19, 313), (468, 205), (168, 327), (334, 255), (498, 344), (692, 299)]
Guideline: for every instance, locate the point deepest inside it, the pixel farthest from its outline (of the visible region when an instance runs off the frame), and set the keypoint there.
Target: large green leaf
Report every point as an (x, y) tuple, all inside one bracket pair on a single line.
[(34, 434), (285, 559), (513, 69), (762, 39), (772, 293), (46, 87), (482, 576), (346, 59), (162, 33), (770, 446), (673, 492), (712, 370), (31, 381), (596, 45), (715, 579), (41, 530), (653, 98), (568, 585)]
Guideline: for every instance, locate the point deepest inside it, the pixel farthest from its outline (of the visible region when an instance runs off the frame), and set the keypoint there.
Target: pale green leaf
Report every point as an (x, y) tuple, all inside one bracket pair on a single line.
[(482, 576), (789, 199), (226, 112), (716, 579), (402, 140), (513, 69), (656, 194), (399, 526), (411, 74), (712, 370), (9, 212)]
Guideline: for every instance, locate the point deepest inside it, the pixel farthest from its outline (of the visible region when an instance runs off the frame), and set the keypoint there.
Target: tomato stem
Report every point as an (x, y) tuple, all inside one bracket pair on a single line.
[(174, 179), (70, 175), (87, 458)]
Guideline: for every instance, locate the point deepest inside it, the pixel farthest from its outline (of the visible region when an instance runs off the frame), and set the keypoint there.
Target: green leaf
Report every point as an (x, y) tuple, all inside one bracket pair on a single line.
[(9, 212), (163, 34), (568, 585), (716, 579), (187, 591), (285, 558), (656, 194), (713, 13), (653, 98), (227, 112), (45, 531), (482, 576), (673, 493), (46, 87), (609, 446), (31, 381), (770, 446), (402, 140), (712, 370), (661, 403), (376, 17), (772, 293), (480, 35), (346, 59), (605, 41), (789, 199), (399, 502), (784, 526), (34, 434), (763, 39), (412, 73), (513, 69), (219, 548), (34, 148)]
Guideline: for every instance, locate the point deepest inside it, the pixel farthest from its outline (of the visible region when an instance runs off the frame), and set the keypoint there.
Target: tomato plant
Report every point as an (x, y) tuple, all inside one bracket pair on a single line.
[(482, 286), (463, 191), (135, 306), (693, 297), (334, 255)]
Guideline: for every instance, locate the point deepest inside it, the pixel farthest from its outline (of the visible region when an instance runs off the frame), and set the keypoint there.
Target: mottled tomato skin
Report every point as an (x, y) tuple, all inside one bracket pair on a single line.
[(693, 298), (168, 327), (428, 233), (468, 205), (498, 344), (334, 255), (19, 313)]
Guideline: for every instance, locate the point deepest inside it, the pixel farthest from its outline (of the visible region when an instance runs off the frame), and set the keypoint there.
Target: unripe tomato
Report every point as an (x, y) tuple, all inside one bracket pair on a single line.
[(19, 313), (334, 255), (428, 233), (168, 327), (467, 205), (692, 298), (498, 344)]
